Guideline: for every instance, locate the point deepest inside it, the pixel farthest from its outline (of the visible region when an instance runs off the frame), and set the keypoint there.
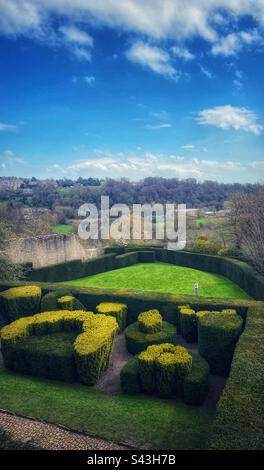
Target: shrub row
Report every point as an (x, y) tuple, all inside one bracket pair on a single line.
[(168, 370), (240, 411), (92, 347)]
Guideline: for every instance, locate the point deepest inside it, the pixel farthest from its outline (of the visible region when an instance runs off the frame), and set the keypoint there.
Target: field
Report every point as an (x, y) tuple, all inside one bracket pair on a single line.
[(162, 277), (62, 229), (138, 420)]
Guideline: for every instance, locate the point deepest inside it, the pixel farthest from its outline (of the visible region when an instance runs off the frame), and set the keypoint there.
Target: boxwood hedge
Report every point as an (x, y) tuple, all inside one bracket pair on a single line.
[(20, 302), (137, 340)]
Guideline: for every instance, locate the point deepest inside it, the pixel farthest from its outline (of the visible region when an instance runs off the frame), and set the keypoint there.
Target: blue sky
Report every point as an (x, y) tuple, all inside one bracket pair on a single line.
[(132, 89)]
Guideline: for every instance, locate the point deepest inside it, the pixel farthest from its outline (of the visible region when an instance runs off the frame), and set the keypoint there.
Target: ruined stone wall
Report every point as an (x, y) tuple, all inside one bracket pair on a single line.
[(51, 249)]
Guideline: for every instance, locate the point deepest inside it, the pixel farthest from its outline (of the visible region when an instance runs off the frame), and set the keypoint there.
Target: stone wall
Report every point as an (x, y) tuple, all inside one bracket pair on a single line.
[(51, 249)]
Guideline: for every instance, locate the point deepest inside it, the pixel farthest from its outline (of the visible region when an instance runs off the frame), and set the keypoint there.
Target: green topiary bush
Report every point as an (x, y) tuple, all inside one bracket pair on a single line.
[(20, 302), (188, 322), (150, 322), (137, 341), (217, 337), (116, 310), (129, 377), (195, 384), (92, 346), (68, 302), (49, 301)]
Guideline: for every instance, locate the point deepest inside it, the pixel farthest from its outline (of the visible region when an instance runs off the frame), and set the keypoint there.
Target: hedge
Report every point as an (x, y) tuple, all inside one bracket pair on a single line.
[(168, 370), (20, 302), (118, 311), (129, 377), (49, 302), (188, 324), (217, 338), (240, 411), (126, 259), (150, 322), (137, 341), (92, 347), (68, 302)]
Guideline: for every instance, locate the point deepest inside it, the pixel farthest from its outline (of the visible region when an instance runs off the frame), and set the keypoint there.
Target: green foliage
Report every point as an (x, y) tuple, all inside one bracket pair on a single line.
[(20, 302), (203, 245), (137, 341), (239, 419), (116, 310), (129, 377), (92, 347), (150, 322), (217, 337), (49, 302), (68, 302), (188, 324), (195, 385)]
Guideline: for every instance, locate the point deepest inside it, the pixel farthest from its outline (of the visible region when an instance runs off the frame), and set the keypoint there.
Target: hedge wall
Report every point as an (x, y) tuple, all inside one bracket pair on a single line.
[(239, 422)]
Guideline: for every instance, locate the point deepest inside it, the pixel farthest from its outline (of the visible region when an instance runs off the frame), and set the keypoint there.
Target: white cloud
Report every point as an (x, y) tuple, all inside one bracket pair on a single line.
[(182, 53), (8, 127), (164, 125), (151, 57), (234, 42), (188, 147), (89, 79), (82, 54), (207, 72), (230, 117), (76, 36)]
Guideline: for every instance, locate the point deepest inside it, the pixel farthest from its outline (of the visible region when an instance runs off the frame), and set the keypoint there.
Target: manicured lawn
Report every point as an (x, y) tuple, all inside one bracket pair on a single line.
[(62, 229), (163, 277), (139, 420)]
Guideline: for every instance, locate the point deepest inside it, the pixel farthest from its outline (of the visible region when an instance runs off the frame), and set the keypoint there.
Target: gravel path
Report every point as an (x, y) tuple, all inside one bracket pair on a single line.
[(110, 380), (47, 436)]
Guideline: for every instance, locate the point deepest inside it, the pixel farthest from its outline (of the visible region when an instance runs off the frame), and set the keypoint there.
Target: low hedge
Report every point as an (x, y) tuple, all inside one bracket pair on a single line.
[(92, 347), (150, 322), (68, 302), (137, 341), (126, 259), (240, 411), (118, 311), (195, 385), (167, 370), (20, 302), (129, 377), (146, 256), (217, 337)]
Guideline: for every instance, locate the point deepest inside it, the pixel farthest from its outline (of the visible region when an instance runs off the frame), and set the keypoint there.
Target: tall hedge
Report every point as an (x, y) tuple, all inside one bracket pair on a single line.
[(20, 302), (217, 338), (240, 411)]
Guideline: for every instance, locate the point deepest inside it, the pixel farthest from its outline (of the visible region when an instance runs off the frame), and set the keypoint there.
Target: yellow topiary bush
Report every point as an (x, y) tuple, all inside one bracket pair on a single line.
[(188, 324), (150, 322), (116, 310), (92, 347), (20, 302)]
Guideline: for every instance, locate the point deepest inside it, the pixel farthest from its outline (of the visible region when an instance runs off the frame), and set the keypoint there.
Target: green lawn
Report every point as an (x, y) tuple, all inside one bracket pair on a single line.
[(62, 229), (161, 277), (139, 420)]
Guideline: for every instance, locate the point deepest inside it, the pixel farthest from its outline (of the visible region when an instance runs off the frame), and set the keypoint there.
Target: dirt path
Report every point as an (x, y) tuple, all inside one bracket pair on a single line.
[(48, 436), (110, 380)]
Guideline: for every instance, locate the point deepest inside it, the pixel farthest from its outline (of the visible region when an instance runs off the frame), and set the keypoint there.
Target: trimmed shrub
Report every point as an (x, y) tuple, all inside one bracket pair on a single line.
[(217, 337), (129, 377), (126, 259), (118, 311), (92, 347), (150, 322), (147, 365), (49, 301), (68, 302), (195, 384), (239, 419), (137, 341), (20, 302), (188, 322), (146, 257)]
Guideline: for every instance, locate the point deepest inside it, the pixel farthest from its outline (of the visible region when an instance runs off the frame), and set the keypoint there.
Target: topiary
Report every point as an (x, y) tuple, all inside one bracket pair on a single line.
[(129, 377), (49, 301), (20, 302), (188, 322), (195, 384), (68, 302), (150, 322), (217, 337), (137, 341), (116, 310)]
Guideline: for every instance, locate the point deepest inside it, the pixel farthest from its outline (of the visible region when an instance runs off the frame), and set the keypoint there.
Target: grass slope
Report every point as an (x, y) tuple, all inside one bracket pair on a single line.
[(61, 229), (162, 277), (140, 420)]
